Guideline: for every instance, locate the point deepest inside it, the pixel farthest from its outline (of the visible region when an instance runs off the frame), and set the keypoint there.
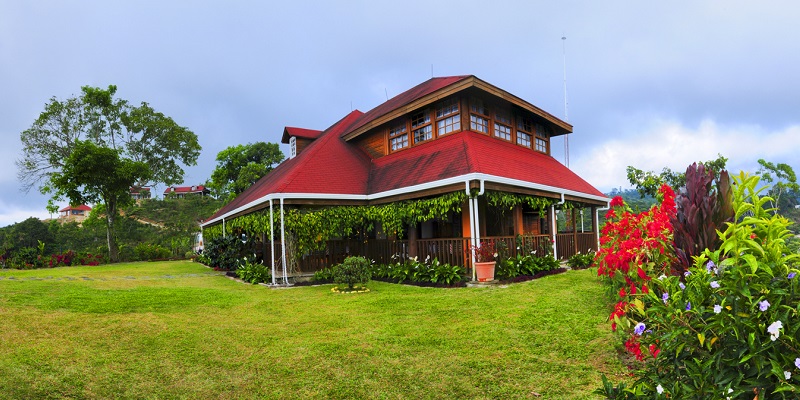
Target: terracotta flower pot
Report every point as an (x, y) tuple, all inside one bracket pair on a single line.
[(485, 271)]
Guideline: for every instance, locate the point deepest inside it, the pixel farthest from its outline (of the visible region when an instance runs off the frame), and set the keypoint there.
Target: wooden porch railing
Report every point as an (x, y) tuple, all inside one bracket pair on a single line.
[(450, 251)]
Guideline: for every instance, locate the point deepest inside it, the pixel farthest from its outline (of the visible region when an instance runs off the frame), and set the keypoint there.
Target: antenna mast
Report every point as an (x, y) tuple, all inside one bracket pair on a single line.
[(566, 108)]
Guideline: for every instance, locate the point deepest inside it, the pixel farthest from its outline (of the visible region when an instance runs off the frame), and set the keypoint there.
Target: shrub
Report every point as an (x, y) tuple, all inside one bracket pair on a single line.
[(225, 252), (149, 251), (352, 271), (252, 272), (581, 261), (323, 276)]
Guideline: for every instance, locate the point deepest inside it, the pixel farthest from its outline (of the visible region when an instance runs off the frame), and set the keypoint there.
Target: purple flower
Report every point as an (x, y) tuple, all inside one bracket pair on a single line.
[(639, 328), (797, 362), (710, 266), (682, 286), (717, 308), (715, 284), (687, 273), (763, 305), (665, 297), (688, 305), (792, 275)]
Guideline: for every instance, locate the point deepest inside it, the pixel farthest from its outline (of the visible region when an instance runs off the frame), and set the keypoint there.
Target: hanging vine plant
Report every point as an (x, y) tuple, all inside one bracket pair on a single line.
[(312, 228), (506, 201)]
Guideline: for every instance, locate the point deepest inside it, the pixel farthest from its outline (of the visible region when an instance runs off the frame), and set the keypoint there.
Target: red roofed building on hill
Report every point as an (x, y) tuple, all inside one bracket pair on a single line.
[(74, 214), (182, 191), (446, 135)]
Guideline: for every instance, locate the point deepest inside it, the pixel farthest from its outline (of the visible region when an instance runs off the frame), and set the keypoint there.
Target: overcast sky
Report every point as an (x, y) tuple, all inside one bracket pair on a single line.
[(650, 84)]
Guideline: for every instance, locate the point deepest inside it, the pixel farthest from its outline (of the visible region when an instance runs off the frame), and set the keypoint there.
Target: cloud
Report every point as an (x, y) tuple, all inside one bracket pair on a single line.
[(12, 214), (668, 143)]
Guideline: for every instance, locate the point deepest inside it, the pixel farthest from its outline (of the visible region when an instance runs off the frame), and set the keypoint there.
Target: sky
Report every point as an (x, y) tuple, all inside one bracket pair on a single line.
[(649, 84)]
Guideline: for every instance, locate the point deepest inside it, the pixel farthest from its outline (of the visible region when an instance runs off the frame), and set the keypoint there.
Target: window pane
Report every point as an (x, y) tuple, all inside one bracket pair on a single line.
[(502, 117), (502, 131), (397, 130), (478, 124), (399, 142), (541, 145), (420, 118), (447, 107), (523, 139), (450, 124), (423, 134), (477, 106)]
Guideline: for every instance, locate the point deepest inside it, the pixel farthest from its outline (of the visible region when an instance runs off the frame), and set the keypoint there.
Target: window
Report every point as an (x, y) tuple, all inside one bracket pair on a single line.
[(479, 116), (447, 117), (398, 136), (502, 125), (542, 138), (421, 126), (524, 131), (292, 147)]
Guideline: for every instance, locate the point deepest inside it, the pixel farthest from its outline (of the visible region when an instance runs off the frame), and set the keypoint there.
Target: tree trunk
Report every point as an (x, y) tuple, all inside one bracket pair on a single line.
[(111, 214)]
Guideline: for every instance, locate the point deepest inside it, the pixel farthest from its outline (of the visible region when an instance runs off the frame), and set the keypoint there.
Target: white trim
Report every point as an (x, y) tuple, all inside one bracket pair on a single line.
[(272, 241), (283, 246), (409, 189)]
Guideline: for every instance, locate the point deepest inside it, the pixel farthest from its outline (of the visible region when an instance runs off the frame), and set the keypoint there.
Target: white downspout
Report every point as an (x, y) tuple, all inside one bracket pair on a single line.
[(477, 234), (272, 241), (223, 227), (471, 229), (283, 246)]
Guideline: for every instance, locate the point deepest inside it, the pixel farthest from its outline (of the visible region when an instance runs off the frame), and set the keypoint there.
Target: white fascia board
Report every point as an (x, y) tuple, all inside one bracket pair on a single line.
[(408, 189)]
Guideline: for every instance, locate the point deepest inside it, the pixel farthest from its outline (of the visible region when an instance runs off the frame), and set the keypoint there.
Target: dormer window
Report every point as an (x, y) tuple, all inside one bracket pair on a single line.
[(421, 126), (542, 138), (398, 136), (524, 131), (479, 116), (502, 125), (293, 147), (448, 118)]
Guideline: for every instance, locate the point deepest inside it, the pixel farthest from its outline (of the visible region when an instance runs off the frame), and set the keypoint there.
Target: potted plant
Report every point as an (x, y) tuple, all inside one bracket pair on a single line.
[(485, 256)]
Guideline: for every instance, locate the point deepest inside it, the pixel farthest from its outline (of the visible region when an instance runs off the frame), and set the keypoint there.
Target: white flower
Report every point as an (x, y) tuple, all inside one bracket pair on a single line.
[(774, 330), (495, 255), (717, 308), (787, 374), (662, 277), (659, 389)]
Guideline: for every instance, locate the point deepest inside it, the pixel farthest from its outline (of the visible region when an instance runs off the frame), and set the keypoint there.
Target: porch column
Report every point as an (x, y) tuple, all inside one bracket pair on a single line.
[(272, 241), (413, 235), (517, 215), (283, 246), (553, 229)]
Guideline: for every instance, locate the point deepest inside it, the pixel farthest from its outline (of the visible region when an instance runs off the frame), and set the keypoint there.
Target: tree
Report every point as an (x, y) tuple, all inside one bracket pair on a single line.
[(145, 147), (240, 166), (648, 182), (782, 178), (94, 174)]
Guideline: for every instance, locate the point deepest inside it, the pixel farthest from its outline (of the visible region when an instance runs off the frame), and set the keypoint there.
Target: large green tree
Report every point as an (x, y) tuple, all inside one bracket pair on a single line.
[(240, 166), (782, 178), (144, 147)]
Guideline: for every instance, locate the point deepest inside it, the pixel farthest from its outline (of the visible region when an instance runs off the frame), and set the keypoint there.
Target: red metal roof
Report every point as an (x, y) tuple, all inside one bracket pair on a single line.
[(329, 165), (185, 189), (82, 207), (423, 89), (290, 131)]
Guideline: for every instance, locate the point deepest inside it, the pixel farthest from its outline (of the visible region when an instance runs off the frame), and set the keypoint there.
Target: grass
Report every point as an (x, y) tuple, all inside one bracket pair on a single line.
[(178, 330)]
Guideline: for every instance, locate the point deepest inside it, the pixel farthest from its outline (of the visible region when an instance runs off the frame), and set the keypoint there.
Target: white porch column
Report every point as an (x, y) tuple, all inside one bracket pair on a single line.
[(272, 241), (554, 229), (283, 246), (472, 235)]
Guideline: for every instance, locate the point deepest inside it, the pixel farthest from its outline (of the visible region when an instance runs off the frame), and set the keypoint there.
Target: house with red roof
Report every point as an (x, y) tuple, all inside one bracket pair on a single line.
[(74, 214), (445, 135), (183, 191), (140, 193)]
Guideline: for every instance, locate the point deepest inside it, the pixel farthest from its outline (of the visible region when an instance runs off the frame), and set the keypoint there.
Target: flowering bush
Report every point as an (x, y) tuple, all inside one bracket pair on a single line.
[(633, 248), (728, 327)]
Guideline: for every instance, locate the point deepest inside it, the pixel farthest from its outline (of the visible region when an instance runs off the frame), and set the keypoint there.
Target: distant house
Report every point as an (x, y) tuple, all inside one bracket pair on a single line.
[(74, 214), (183, 191), (140, 193)]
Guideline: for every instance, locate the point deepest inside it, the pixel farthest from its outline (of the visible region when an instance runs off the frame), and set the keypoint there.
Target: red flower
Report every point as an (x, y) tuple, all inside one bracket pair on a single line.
[(654, 350), (617, 201), (642, 274), (622, 292)]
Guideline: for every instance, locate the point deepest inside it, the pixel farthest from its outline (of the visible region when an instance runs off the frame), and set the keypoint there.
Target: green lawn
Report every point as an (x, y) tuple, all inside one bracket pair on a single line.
[(180, 330)]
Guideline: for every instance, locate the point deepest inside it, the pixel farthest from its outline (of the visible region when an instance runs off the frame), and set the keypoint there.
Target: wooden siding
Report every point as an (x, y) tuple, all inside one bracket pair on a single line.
[(374, 143)]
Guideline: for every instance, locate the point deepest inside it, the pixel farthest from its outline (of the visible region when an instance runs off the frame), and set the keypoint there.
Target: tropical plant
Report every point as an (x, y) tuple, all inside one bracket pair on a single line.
[(581, 260), (252, 272), (703, 207), (728, 327), (224, 252)]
